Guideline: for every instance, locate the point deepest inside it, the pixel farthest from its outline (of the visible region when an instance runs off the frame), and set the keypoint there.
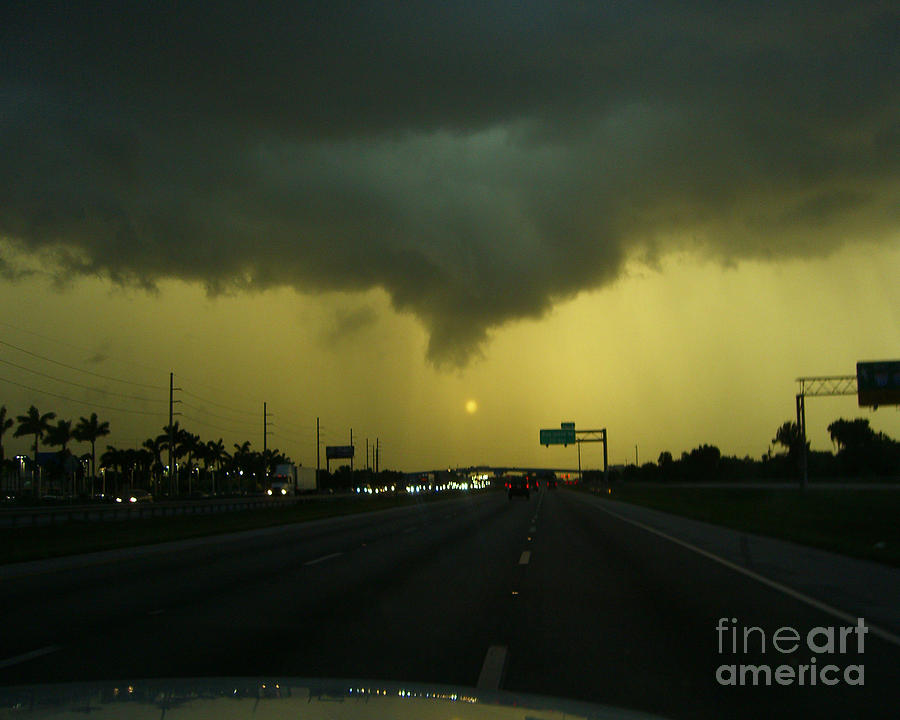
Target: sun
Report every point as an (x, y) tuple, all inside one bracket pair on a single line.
[(471, 407)]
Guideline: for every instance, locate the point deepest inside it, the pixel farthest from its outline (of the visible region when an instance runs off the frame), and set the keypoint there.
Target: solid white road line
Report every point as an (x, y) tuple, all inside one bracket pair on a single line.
[(323, 558), (25, 657), (492, 668), (526, 557), (802, 597)]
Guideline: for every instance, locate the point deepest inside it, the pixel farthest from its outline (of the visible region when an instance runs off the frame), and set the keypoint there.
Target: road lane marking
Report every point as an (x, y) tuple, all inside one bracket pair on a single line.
[(880, 632), (410, 529), (492, 668), (323, 558), (533, 528), (156, 612), (25, 657), (526, 556)]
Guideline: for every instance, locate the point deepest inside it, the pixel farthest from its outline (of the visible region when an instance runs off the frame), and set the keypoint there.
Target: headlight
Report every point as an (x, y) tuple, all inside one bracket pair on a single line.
[(269, 491), (132, 499), (283, 491)]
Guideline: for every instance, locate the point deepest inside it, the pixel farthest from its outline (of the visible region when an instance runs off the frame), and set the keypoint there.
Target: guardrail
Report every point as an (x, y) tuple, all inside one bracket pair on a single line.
[(33, 517)]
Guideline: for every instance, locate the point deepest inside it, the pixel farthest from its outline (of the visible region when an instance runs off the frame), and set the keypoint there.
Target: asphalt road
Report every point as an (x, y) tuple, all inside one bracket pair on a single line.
[(550, 596)]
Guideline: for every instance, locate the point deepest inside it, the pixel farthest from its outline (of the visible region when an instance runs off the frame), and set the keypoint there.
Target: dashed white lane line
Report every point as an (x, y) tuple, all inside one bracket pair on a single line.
[(322, 559), (802, 597), (525, 558), (25, 657), (492, 668)]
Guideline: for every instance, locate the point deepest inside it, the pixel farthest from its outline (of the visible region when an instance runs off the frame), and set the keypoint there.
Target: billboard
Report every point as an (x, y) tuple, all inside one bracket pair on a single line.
[(333, 452), (878, 383)]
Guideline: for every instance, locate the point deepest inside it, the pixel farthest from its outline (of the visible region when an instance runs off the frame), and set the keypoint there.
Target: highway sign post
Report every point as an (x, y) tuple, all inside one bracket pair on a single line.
[(567, 435), (875, 383), (335, 452)]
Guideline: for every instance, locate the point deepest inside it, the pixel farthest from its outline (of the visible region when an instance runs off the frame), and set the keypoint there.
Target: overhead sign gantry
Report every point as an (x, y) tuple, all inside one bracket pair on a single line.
[(568, 435), (875, 383)]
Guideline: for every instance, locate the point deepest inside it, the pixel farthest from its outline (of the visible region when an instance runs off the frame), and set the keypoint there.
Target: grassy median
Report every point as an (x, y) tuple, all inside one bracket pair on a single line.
[(37, 543), (862, 522)]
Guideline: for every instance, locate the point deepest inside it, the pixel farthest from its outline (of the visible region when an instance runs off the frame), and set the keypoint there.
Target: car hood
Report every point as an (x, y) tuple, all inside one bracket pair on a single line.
[(276, 698)]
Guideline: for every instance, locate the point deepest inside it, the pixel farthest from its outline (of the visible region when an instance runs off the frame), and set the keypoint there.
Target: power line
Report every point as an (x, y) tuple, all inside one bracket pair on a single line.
[(80, 402), (57, 341), (204, 423), (215, 415), (230, 391), (77, 369), (219, 405), (79, 385)]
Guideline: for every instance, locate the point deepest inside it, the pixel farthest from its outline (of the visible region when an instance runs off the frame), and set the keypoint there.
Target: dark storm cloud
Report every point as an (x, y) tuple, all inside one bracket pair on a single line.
[(476, 160)]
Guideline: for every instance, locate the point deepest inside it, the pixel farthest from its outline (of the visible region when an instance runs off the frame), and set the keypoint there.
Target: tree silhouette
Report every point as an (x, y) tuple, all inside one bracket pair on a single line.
[(5, 424), (155, 447), (61, 435), (90, 430), (852, 436), (788, 436), (33, 423), (216, 455)]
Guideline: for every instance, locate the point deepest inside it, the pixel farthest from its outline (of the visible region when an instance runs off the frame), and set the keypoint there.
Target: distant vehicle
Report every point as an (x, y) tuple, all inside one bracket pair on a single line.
[(306, 479), (283, 481), (518, 485), (134, 495), (288, 479), (551, 484)]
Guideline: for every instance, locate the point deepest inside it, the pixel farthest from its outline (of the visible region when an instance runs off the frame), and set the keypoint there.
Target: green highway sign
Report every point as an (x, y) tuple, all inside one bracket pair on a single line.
[(878, 383), (561, 436)]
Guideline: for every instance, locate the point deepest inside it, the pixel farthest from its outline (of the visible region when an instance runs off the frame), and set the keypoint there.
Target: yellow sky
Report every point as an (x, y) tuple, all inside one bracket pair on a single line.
[(666, 358)]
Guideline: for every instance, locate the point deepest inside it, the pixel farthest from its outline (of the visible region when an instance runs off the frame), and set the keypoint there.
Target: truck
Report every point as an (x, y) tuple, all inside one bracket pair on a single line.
[(288, 479), (306, 479)]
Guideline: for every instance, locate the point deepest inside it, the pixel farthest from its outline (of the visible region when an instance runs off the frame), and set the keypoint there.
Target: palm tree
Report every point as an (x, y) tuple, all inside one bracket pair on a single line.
[(241, 461), (176, 435), (5, 424), (216, 456), (61, 434), (186, 444), (90, 430), (112, 458), (145, 462), (155, 446), (34, 424)]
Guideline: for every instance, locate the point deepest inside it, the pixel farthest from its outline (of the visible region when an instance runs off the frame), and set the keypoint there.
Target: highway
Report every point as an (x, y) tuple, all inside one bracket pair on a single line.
[(551, 595)]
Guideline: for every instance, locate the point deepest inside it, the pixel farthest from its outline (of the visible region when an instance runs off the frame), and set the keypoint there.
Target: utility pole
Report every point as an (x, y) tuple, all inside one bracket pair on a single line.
[(636, 463), (264, 428), (605, 463), (318, 466), (171, 432), (367, 453), (377, 449), (351, 457)]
